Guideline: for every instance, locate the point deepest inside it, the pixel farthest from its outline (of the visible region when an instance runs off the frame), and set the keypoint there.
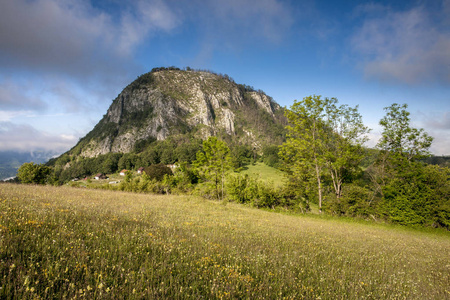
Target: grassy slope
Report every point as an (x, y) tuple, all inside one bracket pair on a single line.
[(263, 172), (68, 242)]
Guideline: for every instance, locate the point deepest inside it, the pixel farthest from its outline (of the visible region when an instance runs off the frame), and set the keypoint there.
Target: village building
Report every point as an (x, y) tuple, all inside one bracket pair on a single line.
[(100, 176)]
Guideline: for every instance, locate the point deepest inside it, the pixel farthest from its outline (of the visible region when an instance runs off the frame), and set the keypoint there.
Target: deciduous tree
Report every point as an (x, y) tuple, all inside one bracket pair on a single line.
[(33, 173), (213, 161), (323, 140), (399, 138)]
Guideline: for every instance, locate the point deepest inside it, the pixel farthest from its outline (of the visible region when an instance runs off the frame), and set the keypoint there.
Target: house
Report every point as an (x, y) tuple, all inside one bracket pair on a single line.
[(100, 176), (123, 172), (140, 170)]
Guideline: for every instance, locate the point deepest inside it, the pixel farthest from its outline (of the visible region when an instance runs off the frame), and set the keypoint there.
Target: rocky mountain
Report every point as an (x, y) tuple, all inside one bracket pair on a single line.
[(169, 102)]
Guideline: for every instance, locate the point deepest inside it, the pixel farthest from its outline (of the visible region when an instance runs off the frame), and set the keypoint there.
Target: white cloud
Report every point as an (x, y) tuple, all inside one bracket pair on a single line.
[(441, 143), (437, 121), (6, 116), (26, 138), (16, 96), (73, 37), (411, 46), (265, 18), (146, 16), (68, 55), (437, 124)]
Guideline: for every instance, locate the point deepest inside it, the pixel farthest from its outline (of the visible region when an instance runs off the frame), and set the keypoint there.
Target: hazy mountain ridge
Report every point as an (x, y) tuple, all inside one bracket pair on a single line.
[(167, 102), (10, 161)]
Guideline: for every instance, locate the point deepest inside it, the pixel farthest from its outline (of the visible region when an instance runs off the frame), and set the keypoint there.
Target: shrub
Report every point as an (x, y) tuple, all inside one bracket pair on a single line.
[(356, 201), (157, 171), (244, 189)]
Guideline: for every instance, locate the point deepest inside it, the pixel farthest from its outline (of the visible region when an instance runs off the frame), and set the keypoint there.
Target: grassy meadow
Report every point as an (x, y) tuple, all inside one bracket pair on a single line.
[(71, 243), (265, 173)]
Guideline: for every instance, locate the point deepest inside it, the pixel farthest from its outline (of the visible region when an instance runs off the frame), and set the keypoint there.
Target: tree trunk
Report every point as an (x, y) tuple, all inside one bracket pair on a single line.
[(337, 183), (319, 186)]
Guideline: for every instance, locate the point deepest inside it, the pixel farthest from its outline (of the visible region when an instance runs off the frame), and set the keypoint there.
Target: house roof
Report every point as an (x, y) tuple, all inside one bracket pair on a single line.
[(123, 171)]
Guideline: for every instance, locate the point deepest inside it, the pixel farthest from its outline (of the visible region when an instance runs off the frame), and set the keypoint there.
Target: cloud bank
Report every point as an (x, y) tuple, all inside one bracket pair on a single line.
[(410, 46), (25, 138), (70, 56)]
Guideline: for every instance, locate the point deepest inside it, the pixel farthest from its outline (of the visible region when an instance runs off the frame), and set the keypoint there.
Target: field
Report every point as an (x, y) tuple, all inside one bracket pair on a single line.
[(62, 242), (265, 173)]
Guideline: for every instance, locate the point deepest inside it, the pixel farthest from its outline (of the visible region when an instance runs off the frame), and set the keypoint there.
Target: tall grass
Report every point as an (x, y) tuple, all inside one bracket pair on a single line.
[(78, 243)]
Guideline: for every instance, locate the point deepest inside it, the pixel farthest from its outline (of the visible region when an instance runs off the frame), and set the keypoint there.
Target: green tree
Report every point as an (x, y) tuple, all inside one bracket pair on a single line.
[(401, 140), (212, 162), (33, 173), (241, 156), (412, 193), (157, 171), (400, 145), (323, 140), (127, 161), (343, 147)]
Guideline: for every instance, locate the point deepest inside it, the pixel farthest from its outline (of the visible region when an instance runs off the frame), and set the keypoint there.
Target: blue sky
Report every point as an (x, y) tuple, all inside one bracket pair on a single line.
[(62, 62)]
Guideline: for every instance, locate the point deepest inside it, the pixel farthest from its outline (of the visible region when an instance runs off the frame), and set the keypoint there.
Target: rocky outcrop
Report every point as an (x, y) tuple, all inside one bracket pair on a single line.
[(167, 102)]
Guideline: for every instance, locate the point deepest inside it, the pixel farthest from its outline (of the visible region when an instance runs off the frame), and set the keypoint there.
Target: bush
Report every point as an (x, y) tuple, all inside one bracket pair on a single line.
[(421, 197), (244, 189), (356, 201), (157, 171)]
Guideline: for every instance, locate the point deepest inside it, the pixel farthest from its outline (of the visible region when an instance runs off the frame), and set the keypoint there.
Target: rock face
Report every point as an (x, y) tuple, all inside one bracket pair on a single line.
[(169, 102)]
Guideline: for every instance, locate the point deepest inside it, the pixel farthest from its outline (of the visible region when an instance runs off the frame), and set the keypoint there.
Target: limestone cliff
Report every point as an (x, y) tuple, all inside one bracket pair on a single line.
[(167, 102)]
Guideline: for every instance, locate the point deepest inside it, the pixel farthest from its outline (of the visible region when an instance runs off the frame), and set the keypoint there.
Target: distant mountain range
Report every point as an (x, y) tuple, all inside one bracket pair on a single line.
[(10, 161)]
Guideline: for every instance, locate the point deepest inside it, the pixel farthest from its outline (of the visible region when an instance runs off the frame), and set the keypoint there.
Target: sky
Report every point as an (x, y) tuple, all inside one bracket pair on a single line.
[(62, 62)]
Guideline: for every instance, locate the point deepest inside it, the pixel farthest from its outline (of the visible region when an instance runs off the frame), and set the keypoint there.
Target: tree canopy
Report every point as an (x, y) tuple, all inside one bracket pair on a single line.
[(213, 161), (324, 140), (33, 173)]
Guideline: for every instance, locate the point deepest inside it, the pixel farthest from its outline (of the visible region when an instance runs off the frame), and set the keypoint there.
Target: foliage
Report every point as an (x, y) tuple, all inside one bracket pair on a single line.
[(270, 156), (157, 171), (323, 140), (443, 161), (241, 155), (356, 201), (128, 161), (401, 140), (245, 189), (412, 193), (33, 173), (212, 163), (419, 195)]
